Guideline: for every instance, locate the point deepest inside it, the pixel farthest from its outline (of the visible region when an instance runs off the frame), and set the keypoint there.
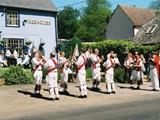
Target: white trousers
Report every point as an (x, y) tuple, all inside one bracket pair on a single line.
[(96, 74), (154, 78), (110, 82), (82, 82), (51, 80), (136, 75), (64, 76), (38, 77)]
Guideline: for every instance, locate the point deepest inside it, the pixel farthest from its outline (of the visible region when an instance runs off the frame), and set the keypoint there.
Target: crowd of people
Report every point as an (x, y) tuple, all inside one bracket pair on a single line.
[(135, 65), (11, 57)]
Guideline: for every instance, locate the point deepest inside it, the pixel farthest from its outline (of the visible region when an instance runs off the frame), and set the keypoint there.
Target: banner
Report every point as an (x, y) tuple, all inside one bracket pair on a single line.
[(76, 52)]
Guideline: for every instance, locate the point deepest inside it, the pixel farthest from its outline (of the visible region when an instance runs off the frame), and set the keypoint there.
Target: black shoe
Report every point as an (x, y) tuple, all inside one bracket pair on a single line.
[(131, 87), (156, 90), (66, 92), (61, 92), (97, 88), (51, 99), (81, 96), (93, 88), (85, 96), (138, 88), (56, 98), (113, 92), (108, 92), (38, 95)]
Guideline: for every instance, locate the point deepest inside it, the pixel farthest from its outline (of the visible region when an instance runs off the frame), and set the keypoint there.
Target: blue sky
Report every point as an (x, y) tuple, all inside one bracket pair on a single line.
[(138, 3)]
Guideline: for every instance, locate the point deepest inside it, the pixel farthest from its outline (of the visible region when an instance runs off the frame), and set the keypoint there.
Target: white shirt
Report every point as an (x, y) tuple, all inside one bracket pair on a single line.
[(81, 61), (108, 56), (108, 64), (15, 53), (8, 53), (116, 61), (50, 64), (127, 62), (95, 59), (87, 54), (35, 63), (61, 62)]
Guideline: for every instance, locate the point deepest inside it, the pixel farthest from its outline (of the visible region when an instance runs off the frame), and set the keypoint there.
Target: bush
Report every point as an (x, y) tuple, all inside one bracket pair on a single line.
[(121, 47), (118, 74), (88, 74), (16, 75)]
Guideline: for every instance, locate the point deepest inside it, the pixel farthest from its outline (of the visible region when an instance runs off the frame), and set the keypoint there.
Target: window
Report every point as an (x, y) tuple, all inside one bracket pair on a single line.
[(12, 18), (16, 43), (151, 29)]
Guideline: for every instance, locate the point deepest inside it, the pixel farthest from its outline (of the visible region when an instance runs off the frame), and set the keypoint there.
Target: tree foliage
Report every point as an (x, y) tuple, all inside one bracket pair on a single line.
[(93, 20), (69, 46), (155, 5), (67, 22)]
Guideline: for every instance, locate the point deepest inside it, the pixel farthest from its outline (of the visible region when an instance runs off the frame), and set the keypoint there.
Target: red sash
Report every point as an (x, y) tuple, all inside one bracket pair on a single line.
[(50, 70), (82, 64), (94, 64), (111, 65), (36, 67), (138, 68)]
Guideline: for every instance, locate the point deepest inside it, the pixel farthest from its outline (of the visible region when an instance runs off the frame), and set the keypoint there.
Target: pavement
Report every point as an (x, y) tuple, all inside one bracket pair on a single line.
[(18, 100)]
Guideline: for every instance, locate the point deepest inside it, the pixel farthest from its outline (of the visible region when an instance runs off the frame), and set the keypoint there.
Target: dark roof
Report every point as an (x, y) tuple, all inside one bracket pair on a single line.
[(43, 5), (138, 16), (148, 38)]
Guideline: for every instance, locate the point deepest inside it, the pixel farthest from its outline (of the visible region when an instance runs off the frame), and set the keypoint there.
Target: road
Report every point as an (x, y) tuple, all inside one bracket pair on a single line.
[(17, 103), (137, 110)]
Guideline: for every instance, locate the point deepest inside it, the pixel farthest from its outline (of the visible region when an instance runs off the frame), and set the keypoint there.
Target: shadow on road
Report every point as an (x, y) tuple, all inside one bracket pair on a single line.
[(66, 94), (96, 90), (124, 87), (70, 95), (39, 96)]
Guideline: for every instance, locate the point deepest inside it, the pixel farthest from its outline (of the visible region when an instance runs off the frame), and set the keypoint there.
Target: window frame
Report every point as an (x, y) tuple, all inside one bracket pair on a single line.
[(18, 19), (151, 29), (19, 47)]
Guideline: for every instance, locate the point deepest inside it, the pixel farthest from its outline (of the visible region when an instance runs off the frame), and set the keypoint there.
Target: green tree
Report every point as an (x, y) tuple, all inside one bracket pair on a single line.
[(94, 20), (155, 4), (70, 46), (67, 22)]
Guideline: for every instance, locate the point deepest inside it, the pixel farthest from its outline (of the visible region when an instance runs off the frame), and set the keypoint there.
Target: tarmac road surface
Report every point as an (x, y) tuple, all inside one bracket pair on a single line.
[(17, 103), (137, 110)]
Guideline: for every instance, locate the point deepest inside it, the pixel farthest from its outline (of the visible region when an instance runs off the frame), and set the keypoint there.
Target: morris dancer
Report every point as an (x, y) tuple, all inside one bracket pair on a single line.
[(136, 72), (109, 64), (37, 73), (81, 73), (52, 76), (64, 73), (154, 71), (96, 75)]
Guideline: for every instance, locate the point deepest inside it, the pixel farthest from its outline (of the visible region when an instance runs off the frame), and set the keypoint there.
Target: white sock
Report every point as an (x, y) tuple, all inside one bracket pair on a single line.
[(51, 92), (56, 92), (85, 89)]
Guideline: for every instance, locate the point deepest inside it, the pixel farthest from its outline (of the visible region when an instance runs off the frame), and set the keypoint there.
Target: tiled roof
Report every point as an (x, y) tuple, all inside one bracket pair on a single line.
[(43, 5), (138, 16), (143, 37)]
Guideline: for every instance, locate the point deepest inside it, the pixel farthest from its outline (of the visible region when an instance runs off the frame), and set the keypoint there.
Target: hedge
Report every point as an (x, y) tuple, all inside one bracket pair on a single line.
[(16, 75), (121, 47)]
